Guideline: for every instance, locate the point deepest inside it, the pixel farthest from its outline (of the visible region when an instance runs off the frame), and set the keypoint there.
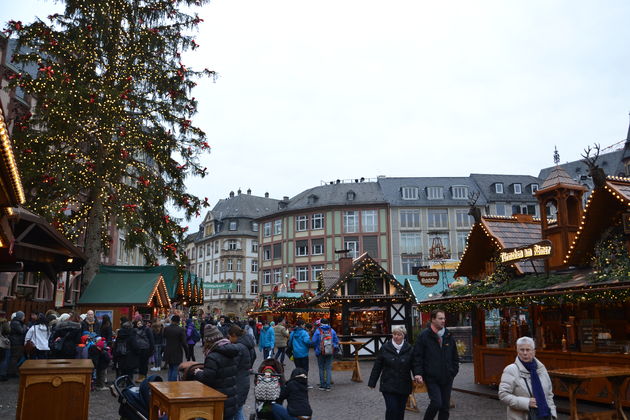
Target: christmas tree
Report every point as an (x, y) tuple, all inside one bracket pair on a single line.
[(111, 138)]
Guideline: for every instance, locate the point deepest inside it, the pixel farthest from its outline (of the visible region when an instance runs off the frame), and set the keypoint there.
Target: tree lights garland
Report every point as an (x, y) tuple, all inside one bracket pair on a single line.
[(111, 138), (610, 259)]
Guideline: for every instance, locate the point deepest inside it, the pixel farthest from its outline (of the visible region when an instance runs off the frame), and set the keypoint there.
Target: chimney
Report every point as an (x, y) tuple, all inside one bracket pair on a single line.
[(249, 191), (345, 262), (266, 195), (231, 194), (285, 198)]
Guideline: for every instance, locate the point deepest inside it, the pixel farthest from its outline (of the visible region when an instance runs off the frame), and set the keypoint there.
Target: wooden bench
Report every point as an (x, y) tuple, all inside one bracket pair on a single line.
[(185, 400)]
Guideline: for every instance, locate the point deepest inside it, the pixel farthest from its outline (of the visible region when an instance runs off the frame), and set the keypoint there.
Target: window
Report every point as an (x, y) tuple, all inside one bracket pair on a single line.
[(239, 285), (232, 245), (524, 209), (216, 247), (277, 251), (232, 225), (350, 195), (498, 188), (253, 287), (350, 222), (317, 246), (499, 209), (301, 248), (370, 245), (410, 265), (301, 223), (435, 193), (317, 221), (368, 221), (517, 189), (438, 218), (534, 188), (409, 218), (208, 268), (316, 270), (301, 274), (208, 249), (462, 239), (200, 252), (239, 264), (352, 245), (267, 229), (277, 276), (460, 192), (255, 226), (216, 267), (409, 193), (267, 277), (409, 243), (254, 246), (254, 266), (267, 253), (277, 227), (230, 265), (463, 219)]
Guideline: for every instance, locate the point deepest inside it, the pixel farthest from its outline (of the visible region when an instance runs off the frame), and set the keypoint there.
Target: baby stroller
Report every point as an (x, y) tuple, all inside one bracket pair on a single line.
[(267, 383), (134, 400)]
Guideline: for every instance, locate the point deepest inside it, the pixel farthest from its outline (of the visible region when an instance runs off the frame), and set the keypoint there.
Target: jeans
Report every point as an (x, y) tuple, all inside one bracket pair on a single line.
[(157, 356), (440, 396), (394, 405), (325, 370), (172, 372), (280, 413), (191, 353), (267, 352), (280, 354), (239, 414), (301, 362), (4, 361)]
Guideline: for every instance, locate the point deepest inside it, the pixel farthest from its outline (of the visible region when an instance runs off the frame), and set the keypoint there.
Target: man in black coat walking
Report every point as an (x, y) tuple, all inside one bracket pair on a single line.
[(436, 363), (175, 347)]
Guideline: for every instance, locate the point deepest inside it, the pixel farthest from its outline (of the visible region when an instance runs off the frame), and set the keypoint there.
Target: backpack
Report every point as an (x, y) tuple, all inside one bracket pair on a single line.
[(194, 335), (326, 342), (121, 348), (289, 349), (142, 341)]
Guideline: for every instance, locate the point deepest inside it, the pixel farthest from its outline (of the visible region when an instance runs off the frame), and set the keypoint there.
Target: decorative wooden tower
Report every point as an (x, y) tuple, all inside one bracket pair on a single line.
[(560, 201)]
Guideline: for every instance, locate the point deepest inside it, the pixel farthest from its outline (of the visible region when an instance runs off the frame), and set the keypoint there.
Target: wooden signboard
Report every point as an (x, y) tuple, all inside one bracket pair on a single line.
[(428, 276)]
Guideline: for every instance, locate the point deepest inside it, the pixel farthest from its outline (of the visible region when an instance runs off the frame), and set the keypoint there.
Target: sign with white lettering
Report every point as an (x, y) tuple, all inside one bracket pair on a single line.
[(428, 277), (540, 249), (228, 286)]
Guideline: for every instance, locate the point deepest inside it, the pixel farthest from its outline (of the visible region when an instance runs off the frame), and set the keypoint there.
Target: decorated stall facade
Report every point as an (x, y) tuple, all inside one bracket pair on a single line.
[(289, 305), (365, 303), (577, 309)]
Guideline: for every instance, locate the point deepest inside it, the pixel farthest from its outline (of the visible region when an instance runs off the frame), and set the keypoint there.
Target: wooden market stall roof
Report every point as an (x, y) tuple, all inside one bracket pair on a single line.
[(336, 290), (132, 287), (494, 233), (605, 207), (11, 190)]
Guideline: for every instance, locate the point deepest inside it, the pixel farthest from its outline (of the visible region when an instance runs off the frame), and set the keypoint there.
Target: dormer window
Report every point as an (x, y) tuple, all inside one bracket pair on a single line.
[(498, 188), (350, 195), (435, 193), (459, 192), (517, 189), (534, 188), (409, 193), (232, 225), (311, 199)]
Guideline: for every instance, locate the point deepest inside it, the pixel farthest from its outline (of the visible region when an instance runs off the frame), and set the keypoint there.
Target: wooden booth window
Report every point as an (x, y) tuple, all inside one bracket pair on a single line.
[(504, 326), (368, 321)]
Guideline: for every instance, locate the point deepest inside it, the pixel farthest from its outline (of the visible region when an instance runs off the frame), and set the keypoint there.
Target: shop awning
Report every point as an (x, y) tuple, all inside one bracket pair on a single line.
[(34, 245), (126, 288)]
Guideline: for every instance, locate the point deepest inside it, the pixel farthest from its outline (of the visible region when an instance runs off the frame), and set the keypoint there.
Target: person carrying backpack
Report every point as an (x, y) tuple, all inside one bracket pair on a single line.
[(326, 343), (192, 337), (144, 343), (126, 351)]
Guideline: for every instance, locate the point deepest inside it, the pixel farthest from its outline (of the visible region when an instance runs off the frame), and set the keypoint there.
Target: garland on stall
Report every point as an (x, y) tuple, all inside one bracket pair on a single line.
[(611, 260), (367, 284)]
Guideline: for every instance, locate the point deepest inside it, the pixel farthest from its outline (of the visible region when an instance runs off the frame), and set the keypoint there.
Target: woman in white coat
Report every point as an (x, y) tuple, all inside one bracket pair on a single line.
[(526, 387)]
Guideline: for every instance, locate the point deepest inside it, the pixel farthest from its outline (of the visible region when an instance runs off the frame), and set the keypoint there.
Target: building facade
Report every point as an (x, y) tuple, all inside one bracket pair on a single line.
[(224, 252)]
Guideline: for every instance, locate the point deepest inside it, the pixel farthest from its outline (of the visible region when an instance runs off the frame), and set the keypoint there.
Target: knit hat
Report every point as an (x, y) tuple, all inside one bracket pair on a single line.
[(19, 315), (211, 334), (100, 344), (64, 317), (83, 316)]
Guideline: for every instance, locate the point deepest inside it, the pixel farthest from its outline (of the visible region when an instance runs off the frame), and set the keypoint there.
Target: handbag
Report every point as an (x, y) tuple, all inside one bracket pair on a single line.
[(5, 343), (533, 411), (29, 346), (289, 349), (267, 388)]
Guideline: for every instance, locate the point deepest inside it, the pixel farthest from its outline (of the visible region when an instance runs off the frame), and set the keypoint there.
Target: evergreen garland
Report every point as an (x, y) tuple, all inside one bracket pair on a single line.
[(367, 284), (610, 259)]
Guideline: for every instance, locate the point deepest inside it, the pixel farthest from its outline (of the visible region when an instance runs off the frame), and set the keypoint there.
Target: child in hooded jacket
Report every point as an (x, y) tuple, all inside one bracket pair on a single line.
[(295, 391)]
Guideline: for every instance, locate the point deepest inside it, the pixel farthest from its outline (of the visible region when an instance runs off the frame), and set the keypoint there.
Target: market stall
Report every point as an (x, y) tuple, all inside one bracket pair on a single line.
[(578, 311), (364, 303), (289, 305)]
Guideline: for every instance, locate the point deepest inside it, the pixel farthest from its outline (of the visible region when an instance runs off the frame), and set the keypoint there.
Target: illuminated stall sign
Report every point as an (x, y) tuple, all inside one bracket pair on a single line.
[(540, 249), (428, 277)]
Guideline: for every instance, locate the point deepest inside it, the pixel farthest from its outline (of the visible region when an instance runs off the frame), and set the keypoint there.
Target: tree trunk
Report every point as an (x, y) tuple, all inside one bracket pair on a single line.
[(93, 239)]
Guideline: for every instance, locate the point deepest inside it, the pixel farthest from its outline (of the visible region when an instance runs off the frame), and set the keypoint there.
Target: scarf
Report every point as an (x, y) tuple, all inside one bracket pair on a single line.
[(539, 394), (398, 346)]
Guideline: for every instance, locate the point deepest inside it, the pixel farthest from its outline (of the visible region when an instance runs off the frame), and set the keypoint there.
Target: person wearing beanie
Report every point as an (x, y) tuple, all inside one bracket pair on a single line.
[(267, 340), (295, 391), (39, 334), (5, 346), (220, 368), (16, 336), (126, 352), (175, 346), (247, 355), (65, 337), (100, 357)]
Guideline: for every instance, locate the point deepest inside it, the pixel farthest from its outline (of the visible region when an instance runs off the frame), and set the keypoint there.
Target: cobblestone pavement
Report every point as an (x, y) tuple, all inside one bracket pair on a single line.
[(348, 400)]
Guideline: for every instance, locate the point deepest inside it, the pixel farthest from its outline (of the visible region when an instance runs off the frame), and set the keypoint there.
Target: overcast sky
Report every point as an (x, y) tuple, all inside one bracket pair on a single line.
[(312, 91)]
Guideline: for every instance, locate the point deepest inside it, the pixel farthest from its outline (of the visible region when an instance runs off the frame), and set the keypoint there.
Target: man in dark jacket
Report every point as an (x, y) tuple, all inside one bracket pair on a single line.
[(246, 358), (64, 338), (16, 336), (436, 363), (220, 368), (145, 343), (175, 347), (295, 391)]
